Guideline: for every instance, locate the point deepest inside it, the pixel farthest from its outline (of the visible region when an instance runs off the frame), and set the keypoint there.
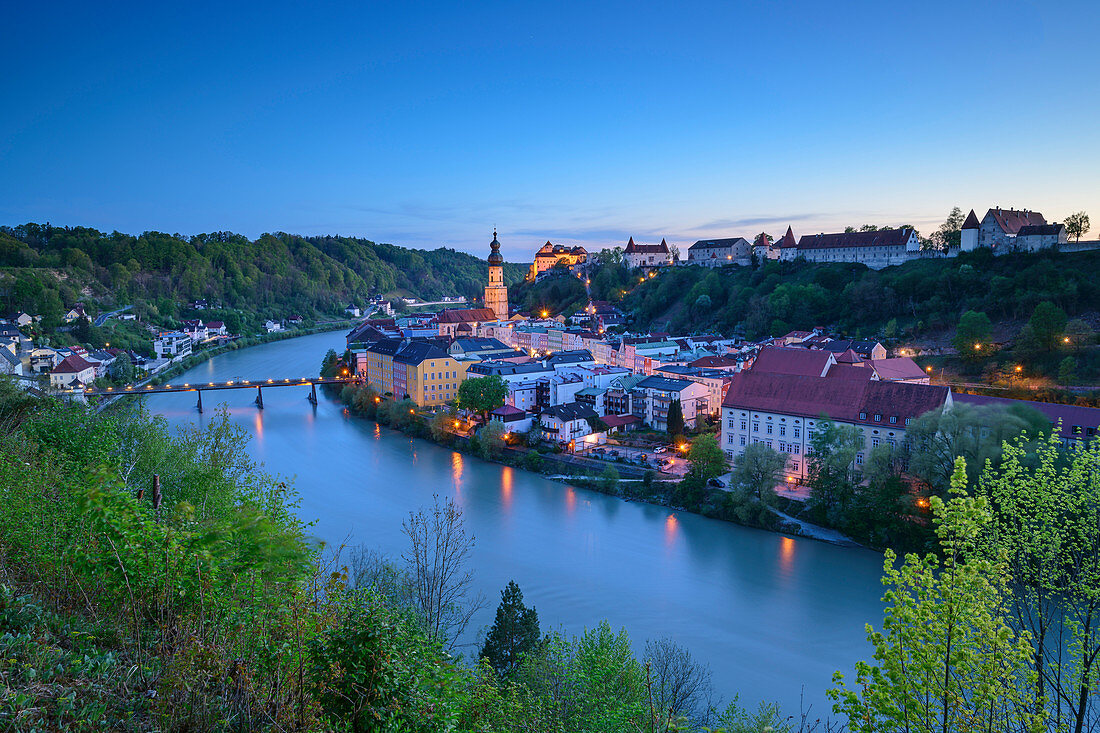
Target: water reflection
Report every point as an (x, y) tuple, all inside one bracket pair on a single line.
[(456, 471), (786, 554), (506, 488), (672, 526), (570, 499), (258, 426)]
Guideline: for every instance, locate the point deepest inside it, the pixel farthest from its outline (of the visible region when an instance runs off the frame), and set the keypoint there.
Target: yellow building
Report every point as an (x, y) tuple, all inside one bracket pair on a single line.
[(427, 374), (551, 254)]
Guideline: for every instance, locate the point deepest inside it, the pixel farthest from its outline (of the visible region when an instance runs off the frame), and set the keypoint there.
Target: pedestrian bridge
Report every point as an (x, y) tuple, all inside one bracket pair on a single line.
[(199, 388)]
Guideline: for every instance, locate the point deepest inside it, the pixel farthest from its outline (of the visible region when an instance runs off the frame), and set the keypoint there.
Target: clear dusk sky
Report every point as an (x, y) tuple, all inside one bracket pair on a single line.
[(426, 124)]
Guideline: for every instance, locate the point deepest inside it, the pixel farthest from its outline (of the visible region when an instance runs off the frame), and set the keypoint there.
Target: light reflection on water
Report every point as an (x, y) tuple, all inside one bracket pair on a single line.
[(768, 613)]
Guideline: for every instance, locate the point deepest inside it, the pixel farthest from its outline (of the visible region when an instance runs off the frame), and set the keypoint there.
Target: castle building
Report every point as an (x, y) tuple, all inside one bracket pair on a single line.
[(999, 228), (647, 255), (552, 254), (496, 292)]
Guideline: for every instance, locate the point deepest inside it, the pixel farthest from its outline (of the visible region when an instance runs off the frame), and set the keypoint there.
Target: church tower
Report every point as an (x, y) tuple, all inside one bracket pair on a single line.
[(496, 294)]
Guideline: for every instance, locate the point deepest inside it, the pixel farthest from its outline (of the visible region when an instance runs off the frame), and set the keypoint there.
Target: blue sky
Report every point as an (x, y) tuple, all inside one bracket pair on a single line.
[(427, 124)]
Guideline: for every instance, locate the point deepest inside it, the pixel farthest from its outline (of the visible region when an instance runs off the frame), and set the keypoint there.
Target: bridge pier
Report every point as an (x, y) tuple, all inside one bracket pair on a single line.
[(260, 397), (313, 393), (200, 400)]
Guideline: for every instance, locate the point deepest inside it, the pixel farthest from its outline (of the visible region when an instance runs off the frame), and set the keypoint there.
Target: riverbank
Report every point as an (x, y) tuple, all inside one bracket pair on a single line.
[(629, 483)]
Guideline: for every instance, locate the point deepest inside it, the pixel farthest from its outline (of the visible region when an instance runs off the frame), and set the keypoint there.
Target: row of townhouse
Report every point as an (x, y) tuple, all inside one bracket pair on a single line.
[(422, 371)]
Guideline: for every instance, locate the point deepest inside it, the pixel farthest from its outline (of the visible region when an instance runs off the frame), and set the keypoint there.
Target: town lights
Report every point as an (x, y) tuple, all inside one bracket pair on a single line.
[(456, 423), (1019, 368), (377, 400), (977, 347), (928, 369), (545, 314), (1065, 340)]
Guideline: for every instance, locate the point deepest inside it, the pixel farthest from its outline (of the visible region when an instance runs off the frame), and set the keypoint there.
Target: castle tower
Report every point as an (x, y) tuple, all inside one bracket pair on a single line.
[(496, 293)]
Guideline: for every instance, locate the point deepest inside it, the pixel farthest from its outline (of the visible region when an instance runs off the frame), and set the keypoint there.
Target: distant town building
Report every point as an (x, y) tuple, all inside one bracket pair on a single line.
[(172, 345), (647, 255), (496, 292), (451, 322), (552, 254), (73, 372), (720, 252), (876, 249)]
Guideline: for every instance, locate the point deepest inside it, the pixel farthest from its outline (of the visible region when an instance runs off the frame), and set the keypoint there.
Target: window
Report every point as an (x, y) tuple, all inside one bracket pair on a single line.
[(729, 439), (908, 420), (875, 442), (755, 426), (769, 428), (863, 416), (893, 443), (878, 418), (796, 431), (782, 429), (796, 448), (782, 447), (794, 466), (744, 424), (742, 440), (859, 459), (894, 419)]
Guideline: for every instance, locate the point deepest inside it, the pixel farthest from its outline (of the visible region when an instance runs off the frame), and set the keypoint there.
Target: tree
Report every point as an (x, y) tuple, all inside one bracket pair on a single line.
[(1045, 326), (330, 364), (1067, 371), (706, 458), (947, 658), (1046, 521), (1079, 333), (1077, 224), (949, 235), (482, 394), (757, 470), (609, 479), (437, 561), (681, 685), (514, 633), (832, 472), (972, 336), (490, 439), (937, 438), (123, 368), (675, 420)]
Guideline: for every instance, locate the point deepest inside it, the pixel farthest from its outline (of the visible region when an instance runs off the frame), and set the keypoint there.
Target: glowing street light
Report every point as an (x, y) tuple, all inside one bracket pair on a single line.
[(977, 347), (1019, 368)]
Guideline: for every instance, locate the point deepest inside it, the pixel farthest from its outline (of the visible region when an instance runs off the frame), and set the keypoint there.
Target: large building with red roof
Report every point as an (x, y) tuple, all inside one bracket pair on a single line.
[(647, 255), (998, 229), (782, 411), (876, 249)]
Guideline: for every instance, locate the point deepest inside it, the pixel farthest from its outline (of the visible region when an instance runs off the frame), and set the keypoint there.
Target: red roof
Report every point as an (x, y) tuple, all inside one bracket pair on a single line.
[(877, 238), (788, 239), (897, 369), (632, 248), (848, 357), (618, 421), (714, 362), (72, 364), (839, 399), (1010, 220), (783, 360), (466, 315), (850, 371), (971, 221)]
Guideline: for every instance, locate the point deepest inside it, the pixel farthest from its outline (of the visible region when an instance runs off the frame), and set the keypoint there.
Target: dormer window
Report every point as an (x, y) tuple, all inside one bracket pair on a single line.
[(878, 418), (863, 416), (894, 419)]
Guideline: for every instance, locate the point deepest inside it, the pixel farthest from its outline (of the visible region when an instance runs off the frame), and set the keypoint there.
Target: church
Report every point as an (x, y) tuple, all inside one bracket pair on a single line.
[(496, 292)]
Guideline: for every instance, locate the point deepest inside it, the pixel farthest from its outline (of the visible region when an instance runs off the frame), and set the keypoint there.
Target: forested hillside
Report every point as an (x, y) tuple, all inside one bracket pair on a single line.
[(46, 269), (917, 296)]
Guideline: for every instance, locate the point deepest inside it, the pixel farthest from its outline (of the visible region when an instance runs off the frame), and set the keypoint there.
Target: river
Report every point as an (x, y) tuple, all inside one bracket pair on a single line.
[(770, 614)]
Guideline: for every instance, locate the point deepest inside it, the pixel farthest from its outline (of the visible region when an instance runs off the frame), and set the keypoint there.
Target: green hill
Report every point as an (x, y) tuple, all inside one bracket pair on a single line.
[(46, 269)]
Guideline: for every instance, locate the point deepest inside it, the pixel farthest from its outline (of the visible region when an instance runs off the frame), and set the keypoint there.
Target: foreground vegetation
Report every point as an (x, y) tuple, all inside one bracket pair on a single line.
[(151, 581)]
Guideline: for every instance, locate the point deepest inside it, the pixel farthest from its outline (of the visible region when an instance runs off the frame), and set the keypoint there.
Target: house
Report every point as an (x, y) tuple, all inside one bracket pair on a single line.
[(72, 373), (998, 229), (660, 392), (20, 319), (899, 369), (352, 311), (480, 348), (865, 349), (512, 418), (75, 313), (43, 359), (101, 360), (876, 249), (782, 411), (196, 329), (764, 249), (294, 320), (199, 305), (450, 320), (10, 363), (550, 255), (720, 252), (647, 255), (568, 424), (215, 328), (272, 326), (1034, 237), (172, 345)]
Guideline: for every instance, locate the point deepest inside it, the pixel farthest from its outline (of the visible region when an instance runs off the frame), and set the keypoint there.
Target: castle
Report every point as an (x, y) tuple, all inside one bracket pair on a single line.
[(551, 254)]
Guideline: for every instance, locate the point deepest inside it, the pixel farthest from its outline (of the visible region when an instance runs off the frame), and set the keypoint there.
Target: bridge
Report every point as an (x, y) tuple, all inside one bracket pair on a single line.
[(199, 388)]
